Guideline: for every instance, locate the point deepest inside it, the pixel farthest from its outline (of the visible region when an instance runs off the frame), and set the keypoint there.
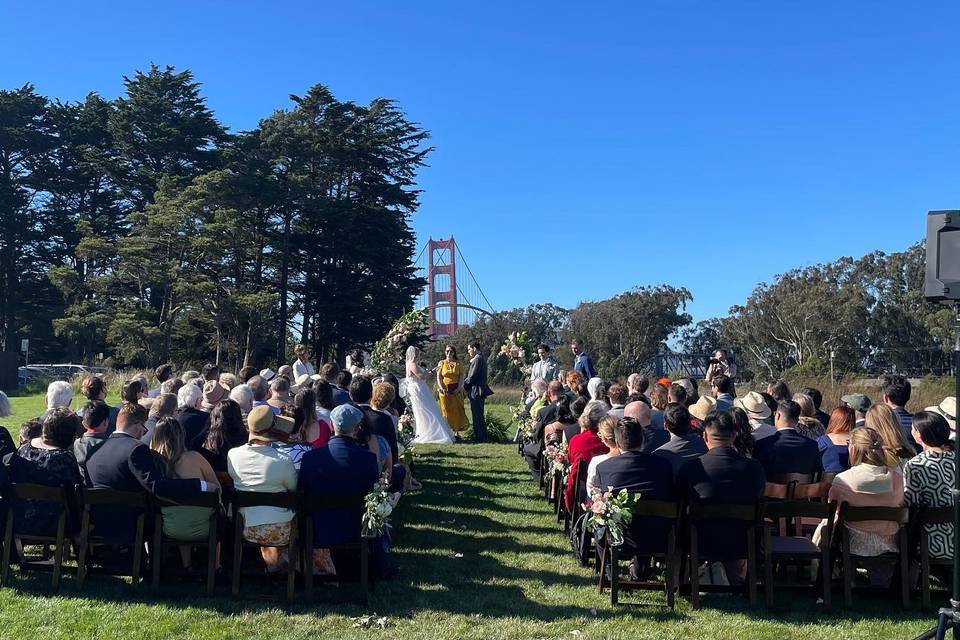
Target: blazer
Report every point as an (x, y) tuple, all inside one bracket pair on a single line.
[(342, 468), (654, 438), (124, 463), (722, 475), (680, 449), (381, 424), (788, 451), (194, 423), (584, 366), (475, 382), (652, 477)]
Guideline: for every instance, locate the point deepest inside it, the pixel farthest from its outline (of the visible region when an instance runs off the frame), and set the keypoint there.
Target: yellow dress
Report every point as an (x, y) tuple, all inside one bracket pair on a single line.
[(451, 405)]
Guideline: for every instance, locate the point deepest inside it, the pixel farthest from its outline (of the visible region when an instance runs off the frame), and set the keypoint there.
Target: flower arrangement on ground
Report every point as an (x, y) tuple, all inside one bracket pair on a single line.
[(612, 511), (379, 505), (412, 329)]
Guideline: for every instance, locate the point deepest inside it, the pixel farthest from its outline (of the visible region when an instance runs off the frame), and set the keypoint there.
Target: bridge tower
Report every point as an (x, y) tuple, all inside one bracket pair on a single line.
[(442, 285)]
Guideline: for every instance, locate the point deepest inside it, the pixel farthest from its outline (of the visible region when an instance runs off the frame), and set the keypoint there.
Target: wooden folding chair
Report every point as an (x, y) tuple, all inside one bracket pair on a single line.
[(610, 556), (90, 498), (899, 515), (792, 547), (282, 500), (42, 493), (161, 541), (313, 503), (930, 516), (700, 515)]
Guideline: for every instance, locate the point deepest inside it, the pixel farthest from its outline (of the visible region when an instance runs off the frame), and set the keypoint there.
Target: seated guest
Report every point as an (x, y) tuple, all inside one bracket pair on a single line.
[(344, 467), (635, 470), (259, 466), (575, 385), (584, 446), (699, 411), (261, 393), (677, 394), (325, 400), (779, 390), (537, 398), (787, 451), (637, 386), (307, 428), (286, 371), (162, 373), (213, 393), (564, 426), (59, 394), (280, 394), (817, 397), (597, 389), (191, 417), (48, 460), (653, 438), (743, 440), (834, 444), (658, 404), (723, 476), (684, 444), (225, 432), (210, 372), (344, 378), (807, 423), (180, 522), (895, 391), (860, 404), (607, 433), (690, 386), (758, 413), (382, 399), (873, 480), (228, 380), (885, 421), (929, 477), (164, 406), (29, 430), (947, 409), (546, 416), (723, 389), (94, 389), (617, 396), (95, 418), (124, 463), (330, 373), (246, 373), (243, 396), (361, 392)]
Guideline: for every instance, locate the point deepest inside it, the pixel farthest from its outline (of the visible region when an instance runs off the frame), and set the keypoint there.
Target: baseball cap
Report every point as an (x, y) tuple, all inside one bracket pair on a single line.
[(346, 417), (857, 402)]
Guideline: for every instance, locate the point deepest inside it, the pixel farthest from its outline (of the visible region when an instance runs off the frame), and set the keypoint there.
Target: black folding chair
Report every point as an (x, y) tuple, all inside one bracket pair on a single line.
[(161, 541), (313, 503), (59, 496), (930, 516), (282, 500), (703, 516), (90, 498), (898, 515)]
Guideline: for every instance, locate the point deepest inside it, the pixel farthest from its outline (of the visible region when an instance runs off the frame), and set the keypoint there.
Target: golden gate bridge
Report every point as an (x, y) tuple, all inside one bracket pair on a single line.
[(452, 297)]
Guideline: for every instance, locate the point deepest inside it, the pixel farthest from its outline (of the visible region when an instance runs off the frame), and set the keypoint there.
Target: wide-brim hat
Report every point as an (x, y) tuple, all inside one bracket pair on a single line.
[(702, 407), (948, 409), (268, 374), (263, 423), (754, 406), (213, 392)]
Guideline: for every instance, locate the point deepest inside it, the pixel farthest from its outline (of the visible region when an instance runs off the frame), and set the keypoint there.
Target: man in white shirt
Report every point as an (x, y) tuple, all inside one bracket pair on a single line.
[(546, 368), (302, 366)]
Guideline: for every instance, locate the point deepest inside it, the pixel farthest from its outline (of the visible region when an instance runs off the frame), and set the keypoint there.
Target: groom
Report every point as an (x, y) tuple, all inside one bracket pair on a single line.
[(477, 390)]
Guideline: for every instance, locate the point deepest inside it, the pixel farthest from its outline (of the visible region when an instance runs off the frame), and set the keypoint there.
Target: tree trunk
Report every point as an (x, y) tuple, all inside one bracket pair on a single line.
[(284, 277)]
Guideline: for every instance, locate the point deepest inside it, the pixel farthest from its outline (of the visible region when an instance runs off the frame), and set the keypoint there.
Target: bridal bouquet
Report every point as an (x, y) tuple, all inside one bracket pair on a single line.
[(615, 512), (412, 329), (379, 506)]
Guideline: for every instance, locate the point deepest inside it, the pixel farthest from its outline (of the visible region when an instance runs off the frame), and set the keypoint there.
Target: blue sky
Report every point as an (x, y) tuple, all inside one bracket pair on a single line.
[(585, 148)]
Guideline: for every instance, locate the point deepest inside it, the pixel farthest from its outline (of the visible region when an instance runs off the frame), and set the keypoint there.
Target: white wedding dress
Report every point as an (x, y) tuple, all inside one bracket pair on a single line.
[(431, 426)]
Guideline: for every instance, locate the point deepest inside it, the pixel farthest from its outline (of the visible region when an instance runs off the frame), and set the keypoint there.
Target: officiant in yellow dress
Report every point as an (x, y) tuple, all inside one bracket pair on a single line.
[(450, 395)]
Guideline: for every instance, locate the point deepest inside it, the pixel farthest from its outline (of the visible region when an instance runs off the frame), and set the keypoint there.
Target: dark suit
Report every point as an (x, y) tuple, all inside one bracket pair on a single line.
[(382, 425), (722, 476), (533, 450), (651, 477), (194, 423), (654, 438), (788, 451), (475, 384), (678, 450), (124, 463), (342, 468)]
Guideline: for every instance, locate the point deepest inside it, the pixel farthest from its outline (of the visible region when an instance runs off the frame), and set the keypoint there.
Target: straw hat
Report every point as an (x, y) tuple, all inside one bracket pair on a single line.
[(948, 409), (703, 406), (263, 422), (753, 405)]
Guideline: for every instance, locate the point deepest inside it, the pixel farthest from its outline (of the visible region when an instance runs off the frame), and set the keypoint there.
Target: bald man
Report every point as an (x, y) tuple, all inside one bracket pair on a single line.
[(653, 437)]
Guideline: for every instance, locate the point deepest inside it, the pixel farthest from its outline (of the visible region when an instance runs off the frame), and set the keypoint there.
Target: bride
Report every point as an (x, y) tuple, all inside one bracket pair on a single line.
[(430, 424)]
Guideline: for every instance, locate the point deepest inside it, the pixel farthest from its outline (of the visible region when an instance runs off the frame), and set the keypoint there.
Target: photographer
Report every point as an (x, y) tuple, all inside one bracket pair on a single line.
[(720, 365)]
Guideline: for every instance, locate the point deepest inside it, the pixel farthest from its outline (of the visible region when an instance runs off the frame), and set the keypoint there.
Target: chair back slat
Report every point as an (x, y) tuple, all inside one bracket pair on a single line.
[(900, 515), (776, 491), (797, 509), (787, 478), (209, 499), (317, 502), (656, 509), (745, 512), (811, 491), (936, 515), (281, 499), (44, 493), (113, 497)]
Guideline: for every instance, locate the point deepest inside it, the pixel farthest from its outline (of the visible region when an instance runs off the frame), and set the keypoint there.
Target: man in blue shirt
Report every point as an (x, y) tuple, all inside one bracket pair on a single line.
[(895, 391), (581, 361)]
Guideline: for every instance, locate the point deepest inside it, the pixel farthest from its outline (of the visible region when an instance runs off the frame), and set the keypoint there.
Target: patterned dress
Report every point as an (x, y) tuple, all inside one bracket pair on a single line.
[(929, 477)]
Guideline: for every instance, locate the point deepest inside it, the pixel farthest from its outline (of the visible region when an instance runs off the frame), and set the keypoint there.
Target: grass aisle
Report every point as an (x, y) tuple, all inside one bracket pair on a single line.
[(480, 555)]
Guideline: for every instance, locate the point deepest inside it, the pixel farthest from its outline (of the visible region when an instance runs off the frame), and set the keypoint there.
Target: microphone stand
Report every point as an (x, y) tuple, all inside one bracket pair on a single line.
[(949, 617)]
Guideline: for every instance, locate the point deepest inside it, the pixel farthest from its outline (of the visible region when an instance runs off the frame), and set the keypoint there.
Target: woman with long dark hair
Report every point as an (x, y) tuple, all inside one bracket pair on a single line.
[(226, 431)]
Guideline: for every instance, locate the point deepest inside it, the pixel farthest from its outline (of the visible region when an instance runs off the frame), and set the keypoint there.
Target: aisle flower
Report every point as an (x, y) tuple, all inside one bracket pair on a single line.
[(379, 506), (615, 512)]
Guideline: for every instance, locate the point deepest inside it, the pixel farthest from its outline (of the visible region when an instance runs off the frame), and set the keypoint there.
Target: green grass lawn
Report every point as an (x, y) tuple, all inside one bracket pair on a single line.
[(481, 556)]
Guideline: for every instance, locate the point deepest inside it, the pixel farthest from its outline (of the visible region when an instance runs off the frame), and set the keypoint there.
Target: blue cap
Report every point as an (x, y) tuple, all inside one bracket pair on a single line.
[(346, 417)]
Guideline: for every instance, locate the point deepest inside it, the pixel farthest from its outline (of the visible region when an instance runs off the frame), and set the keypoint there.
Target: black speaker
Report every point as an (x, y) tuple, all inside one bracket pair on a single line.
[(942, 281), (9, 360)]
